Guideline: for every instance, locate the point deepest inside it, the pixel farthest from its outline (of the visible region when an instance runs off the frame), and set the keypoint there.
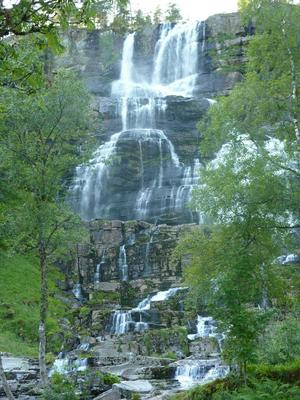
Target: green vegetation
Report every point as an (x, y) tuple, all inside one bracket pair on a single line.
[(62, 388), (250, 197), (157, 341), (19, 308), (135, 396), (110, 379), (280, 382), (173, 13)]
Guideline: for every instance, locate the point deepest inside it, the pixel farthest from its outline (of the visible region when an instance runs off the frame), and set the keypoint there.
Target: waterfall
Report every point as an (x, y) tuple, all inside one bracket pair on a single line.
[(142, 100), (77, 291), (97, 276), (191, 372), (121, 321), (65, 363), (203, 37), (176, 58), (94, 175), (125, 321), (205, 328), (147, 267), (122, 264)]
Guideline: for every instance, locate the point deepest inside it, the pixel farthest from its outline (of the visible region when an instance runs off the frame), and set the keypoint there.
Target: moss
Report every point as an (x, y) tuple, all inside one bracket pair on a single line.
[(170, 355), (101, 297), (135, 396), (128, 295), (158, 341)]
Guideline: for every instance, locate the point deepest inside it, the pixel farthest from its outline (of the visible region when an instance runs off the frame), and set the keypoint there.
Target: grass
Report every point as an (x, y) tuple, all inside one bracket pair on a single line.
[(19, 305), (11, 343)]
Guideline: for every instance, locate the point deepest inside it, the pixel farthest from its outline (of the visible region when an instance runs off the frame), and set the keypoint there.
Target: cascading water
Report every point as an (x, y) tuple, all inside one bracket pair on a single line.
[(132, 320), (165, 187), (122, 264), (191, 372), (77, 291), (97, 276), (206, 327)]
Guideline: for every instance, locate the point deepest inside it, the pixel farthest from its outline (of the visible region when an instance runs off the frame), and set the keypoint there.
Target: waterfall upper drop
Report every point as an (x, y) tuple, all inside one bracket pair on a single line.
[(138, 173)]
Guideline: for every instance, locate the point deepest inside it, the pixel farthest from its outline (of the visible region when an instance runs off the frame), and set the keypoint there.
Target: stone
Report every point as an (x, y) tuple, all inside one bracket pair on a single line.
[(126, 388), (111, 394), (15, 363)]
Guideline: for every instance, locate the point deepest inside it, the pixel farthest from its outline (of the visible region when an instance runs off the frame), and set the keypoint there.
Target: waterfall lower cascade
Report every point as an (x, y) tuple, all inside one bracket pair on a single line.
[(162, 183), (190, 371), (133, 320)]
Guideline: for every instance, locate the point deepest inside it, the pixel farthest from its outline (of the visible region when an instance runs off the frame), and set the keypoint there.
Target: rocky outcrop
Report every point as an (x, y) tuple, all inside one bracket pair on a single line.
[(149, 257), (22, 375)]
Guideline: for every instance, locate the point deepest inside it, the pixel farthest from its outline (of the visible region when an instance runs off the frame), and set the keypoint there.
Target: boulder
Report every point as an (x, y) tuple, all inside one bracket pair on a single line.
[(126, 388)]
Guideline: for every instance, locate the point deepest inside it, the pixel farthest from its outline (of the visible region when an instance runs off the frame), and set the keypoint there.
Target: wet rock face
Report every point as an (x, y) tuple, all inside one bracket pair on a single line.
[(147, 254)]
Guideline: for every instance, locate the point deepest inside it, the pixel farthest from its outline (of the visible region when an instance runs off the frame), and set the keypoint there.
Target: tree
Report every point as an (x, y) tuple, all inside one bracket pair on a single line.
[(231, 264), (173, 14), (157, 16), (249, 189), (140, 21), (25, 17), (44, 136)]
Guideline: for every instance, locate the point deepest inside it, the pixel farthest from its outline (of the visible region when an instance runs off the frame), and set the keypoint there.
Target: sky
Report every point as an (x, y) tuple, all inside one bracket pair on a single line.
[(190, 9)]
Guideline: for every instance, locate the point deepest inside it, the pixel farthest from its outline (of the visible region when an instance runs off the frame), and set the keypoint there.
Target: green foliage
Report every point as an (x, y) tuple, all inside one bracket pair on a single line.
[(19, 308), (226, 275), (231, 388), (127, 294), (135, 396), (268, 390), (157, 341), (157, 16), (140, 21), (281, 342), (171, 355), (100, 298), (250, 191), (173, 13), (61, 388), (110, 379)]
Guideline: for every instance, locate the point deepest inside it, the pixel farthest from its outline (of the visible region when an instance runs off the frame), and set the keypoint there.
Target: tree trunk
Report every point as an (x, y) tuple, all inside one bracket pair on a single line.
[(6, 387), (43, 318)]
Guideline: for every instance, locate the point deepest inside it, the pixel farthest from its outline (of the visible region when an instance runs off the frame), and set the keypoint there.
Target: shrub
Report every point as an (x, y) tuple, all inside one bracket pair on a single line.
[(110, 379), (61, 388)]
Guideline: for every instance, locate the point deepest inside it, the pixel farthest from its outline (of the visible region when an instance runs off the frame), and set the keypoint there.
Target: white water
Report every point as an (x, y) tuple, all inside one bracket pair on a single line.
[(192, 372), (141, 101), (97, 276), (205, 328), (175, 64), (122, 264), (65, 365), (95, 174), (77, 291), (123, 322)]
